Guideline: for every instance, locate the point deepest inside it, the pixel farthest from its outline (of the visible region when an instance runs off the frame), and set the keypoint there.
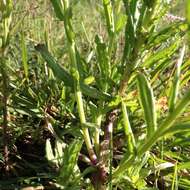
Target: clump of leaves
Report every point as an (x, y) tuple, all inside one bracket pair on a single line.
[(128, 101), (148, 59)]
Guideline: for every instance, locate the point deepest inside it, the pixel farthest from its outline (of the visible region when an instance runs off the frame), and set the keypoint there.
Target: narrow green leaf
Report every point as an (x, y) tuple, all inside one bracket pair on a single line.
[(109, 16), (93, 92), (58, 8), (164, 34), (59, 72), (178, 128), (161, 55), (30, 112), (188, 19), (129, 31), (188, 11), (175, 84), (103, 61), (127, 129), (70, 160), (147, 101), (121, 23), (186, 78), (24, 55), (68, 80)]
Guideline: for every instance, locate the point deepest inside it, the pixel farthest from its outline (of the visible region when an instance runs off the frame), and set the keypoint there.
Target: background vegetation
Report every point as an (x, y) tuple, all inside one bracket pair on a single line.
[(94, 94)]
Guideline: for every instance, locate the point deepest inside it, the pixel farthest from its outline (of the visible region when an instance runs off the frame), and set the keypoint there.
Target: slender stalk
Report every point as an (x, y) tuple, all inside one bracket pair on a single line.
[(109, 15), (76, 75), (78, 95)]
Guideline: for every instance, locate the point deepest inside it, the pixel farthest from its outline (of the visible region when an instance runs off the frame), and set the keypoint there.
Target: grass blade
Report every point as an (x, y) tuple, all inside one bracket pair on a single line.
[(24, 55)]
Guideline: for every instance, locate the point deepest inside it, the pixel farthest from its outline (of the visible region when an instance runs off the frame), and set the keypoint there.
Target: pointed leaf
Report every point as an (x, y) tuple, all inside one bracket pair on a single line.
[(148, 103), (128, 131), (178, 128), (24, 55), (58, 8), (175, 84), (68, 80), (70, 160)]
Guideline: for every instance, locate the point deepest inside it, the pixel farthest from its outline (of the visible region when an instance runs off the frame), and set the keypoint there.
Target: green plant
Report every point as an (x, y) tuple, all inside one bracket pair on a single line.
[(147, 59), (105, 100), (65, 159)]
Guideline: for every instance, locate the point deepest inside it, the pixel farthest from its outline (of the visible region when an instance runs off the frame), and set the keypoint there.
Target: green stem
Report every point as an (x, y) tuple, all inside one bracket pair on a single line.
[(76, 75), (108, 11), (80, 107), (78, 95)]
